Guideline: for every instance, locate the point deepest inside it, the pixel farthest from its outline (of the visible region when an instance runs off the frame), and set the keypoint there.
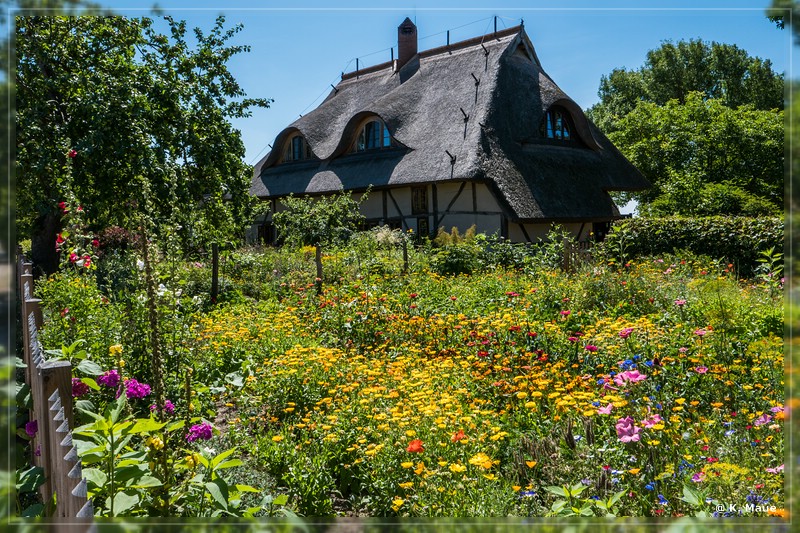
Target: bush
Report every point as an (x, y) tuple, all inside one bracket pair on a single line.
[(737, 240)]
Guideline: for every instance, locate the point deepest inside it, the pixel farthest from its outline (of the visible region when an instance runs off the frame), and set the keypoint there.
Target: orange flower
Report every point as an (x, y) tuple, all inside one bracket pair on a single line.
[(458, 436), (415, 446)]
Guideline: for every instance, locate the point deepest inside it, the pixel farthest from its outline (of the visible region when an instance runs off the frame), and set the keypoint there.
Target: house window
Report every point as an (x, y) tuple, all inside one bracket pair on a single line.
[(297, 149), (373, 135), (557, 125), (419, 200), (422, 226)]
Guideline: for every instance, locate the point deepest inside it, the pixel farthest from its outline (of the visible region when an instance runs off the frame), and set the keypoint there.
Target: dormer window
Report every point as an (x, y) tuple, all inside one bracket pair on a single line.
[(558, 125), (373, 135), (297, 149)]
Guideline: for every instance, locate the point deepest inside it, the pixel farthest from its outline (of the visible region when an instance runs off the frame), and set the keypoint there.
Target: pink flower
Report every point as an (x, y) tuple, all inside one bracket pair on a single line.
[(625, 333), (700, 369), (700, 332), (652, 421), (73, 257), (629, 375), (627, 431), (590, 348), (565, 313), (776, 470), (572, 339), (698, 477), (680, 303), (605, 410), (763, 419)]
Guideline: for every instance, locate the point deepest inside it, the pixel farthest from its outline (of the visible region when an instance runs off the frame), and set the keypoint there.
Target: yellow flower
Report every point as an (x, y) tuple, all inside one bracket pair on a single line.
[(407, 485), (482, 460), (530, 464), (634, 471), (115, 349), (277, 438), (521, 395), (407, 464), (397, 503), (457, 468)]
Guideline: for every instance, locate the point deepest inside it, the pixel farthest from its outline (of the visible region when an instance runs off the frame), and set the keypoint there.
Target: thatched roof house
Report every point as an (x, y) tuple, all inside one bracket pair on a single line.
[(470, 133)]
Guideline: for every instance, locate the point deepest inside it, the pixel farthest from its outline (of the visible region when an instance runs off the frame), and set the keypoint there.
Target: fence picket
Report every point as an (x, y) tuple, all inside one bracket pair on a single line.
[(51, 394)]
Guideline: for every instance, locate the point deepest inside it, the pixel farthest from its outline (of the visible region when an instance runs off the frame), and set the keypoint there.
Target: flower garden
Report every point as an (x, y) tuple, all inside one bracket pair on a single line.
[(647, 387)]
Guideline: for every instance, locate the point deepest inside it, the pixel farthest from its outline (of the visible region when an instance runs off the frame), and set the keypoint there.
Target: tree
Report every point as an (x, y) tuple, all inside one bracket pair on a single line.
[(128, 122), (698, 114), (721, 71), (328, 220), (705, 158)]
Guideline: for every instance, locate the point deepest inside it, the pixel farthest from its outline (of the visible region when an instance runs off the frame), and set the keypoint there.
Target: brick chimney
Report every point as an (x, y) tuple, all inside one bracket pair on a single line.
[(406, 42)]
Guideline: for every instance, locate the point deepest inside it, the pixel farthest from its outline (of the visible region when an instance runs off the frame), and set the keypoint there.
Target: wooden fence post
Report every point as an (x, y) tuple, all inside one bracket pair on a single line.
[(318, 260), (214, 272), (40, 442), (405, 256)]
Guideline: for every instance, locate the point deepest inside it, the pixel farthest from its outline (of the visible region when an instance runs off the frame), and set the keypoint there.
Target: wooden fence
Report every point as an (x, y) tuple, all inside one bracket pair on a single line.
[(51, 393), (575, 253)]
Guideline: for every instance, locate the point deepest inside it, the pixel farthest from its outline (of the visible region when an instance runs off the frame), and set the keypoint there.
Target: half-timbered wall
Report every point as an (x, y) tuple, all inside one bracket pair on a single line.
[(424, 209)]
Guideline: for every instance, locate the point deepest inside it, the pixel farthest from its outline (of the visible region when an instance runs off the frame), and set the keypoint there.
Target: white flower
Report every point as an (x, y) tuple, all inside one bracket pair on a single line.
[(140, 264)]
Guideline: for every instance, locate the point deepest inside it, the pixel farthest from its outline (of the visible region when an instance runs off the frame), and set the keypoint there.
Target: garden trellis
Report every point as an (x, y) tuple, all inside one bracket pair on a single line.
[(51, 393)]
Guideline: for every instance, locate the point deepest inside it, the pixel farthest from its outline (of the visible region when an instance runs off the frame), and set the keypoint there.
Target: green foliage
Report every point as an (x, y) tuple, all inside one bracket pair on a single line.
[(704, 123), (328, 220), (701, 156), (79, 78), (740, 241), (672, 71)]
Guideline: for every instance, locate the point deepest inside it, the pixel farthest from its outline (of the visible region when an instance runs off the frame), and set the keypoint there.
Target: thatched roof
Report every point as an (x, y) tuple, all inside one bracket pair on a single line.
[(424, 105)]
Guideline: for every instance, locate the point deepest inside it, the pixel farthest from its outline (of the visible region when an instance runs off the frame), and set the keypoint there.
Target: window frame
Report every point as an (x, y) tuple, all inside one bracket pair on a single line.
[(378, 138), (558, 127), (296, 148)]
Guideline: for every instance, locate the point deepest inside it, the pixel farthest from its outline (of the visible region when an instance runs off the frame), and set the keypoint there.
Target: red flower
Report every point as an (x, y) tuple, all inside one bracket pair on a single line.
[(415, 446), (72, 154), (59, 241), (63, 207), (95, 243), (458, 436), (413, 295), (73, 257)]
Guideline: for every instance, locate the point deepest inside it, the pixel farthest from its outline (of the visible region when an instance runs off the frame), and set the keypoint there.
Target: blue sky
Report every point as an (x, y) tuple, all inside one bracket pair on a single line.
[(298, 49)]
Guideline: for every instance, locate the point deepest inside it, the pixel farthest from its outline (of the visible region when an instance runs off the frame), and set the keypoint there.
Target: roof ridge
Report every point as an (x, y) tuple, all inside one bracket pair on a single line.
[(480, 39)]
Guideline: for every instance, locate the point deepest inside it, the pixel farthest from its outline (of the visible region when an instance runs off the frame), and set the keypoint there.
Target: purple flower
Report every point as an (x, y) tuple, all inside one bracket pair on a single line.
[(31, 428), (763, 419), (109, 379), (199, 431), (79, 388), (169, 408), (698, 477), (134, 389)]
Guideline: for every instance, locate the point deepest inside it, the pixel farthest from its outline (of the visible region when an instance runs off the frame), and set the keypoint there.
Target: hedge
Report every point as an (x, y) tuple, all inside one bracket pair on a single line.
[(736, 240)]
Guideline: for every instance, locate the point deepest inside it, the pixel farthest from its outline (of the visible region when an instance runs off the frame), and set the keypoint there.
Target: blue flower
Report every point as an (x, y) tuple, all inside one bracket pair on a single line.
[(596, 404), (637, 357), (648, 363), (650, 486), (662, 500), (601, 381)]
